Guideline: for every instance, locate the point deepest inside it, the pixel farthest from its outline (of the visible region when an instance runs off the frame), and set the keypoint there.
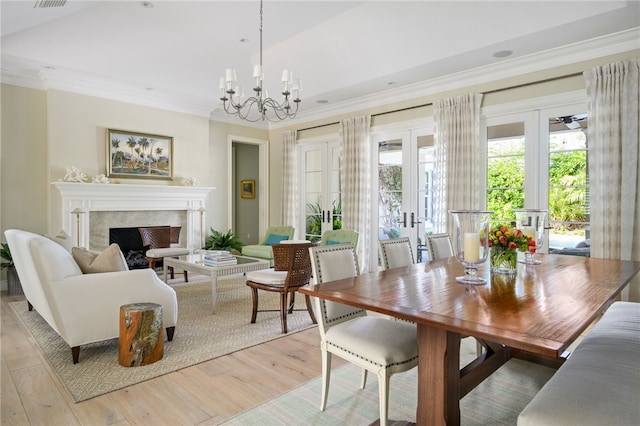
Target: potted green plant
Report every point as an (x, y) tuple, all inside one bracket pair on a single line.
[(219, 241), (13, 281)]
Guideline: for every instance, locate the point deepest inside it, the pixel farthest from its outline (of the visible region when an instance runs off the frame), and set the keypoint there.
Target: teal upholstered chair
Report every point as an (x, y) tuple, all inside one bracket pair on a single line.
[(274, 235), (340, 236)]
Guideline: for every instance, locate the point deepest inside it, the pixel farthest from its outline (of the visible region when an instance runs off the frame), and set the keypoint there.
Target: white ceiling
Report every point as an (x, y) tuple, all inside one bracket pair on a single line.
[(172, 54)]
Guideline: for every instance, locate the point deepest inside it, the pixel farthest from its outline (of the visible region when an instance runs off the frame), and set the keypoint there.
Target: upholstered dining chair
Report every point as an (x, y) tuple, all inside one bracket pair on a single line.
[(373, 343), (159, 241), (395, 253), (439, 246), (292, 270)]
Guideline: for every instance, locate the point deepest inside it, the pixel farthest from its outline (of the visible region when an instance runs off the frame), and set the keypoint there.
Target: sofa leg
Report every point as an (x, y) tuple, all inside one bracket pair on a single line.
[(75, 354), (170, 331)]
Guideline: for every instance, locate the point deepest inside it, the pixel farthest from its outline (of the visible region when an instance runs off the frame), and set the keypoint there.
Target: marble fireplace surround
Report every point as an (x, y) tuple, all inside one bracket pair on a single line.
[(107, 206)]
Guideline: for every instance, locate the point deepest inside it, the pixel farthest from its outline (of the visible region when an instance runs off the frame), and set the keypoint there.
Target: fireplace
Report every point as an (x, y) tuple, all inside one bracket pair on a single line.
[(131, 246), (86, 211)]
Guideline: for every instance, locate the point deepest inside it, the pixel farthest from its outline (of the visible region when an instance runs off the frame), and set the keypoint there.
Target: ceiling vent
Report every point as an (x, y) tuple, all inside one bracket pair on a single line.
[(50, 3)]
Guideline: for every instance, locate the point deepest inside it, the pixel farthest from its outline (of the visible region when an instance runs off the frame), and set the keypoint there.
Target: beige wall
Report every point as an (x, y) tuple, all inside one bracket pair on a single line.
[(44, 132), (24, 180)]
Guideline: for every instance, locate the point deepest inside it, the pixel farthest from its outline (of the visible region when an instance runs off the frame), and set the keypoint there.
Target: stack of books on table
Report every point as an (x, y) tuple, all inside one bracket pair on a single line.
[(218, 258)]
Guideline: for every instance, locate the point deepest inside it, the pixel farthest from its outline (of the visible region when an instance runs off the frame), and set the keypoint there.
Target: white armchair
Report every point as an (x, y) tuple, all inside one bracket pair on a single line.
[(82, 308)]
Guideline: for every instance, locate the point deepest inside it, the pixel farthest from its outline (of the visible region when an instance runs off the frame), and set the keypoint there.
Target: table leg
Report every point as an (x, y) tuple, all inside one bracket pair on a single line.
[(165, 270), (438, 376), (214, 291)]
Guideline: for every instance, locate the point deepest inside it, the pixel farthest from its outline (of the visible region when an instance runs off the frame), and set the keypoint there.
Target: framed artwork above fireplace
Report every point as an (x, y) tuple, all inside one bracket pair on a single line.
[(139, 155)]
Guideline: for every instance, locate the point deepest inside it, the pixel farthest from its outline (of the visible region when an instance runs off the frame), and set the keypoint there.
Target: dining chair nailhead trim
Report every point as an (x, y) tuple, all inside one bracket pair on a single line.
[(370, 361), (341, 317)]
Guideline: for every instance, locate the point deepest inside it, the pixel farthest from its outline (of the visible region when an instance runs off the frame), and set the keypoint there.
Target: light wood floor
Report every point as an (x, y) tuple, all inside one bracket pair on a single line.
[(205, 394)]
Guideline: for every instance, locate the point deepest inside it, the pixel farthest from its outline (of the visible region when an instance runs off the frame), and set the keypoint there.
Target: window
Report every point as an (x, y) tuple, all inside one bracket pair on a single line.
[(505, 170), (539, 159)]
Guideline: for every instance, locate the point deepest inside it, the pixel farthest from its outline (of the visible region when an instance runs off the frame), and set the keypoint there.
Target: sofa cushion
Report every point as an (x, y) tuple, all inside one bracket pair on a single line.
[(52, 261), (110, 260), (275, 239), (257, 250), (63, 239), (600, 382)]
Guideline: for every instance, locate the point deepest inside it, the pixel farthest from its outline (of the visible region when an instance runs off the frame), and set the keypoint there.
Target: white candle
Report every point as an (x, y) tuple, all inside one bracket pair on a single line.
[(529, 231), (471, 246)]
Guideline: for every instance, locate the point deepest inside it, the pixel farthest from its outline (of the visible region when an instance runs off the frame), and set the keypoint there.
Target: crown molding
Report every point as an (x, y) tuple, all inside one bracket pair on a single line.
[(624, 41), (70, 81)]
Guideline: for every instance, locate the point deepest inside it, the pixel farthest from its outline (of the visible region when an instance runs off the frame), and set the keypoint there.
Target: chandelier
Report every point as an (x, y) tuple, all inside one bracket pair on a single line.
[(267, 108)]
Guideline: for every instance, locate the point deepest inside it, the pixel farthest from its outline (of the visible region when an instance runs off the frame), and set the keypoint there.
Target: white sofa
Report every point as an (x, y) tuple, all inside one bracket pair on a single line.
[(600, 382), (82, 308)]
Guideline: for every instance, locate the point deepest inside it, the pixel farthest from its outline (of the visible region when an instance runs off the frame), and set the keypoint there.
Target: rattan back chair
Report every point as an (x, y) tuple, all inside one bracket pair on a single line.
[(161, 237), (292, 270)]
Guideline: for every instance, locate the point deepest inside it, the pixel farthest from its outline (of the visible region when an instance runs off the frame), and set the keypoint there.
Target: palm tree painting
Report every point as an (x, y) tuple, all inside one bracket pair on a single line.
[(139, 155)]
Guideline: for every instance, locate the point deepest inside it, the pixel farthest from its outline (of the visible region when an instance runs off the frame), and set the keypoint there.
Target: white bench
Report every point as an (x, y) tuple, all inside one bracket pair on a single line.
[(600, 382)]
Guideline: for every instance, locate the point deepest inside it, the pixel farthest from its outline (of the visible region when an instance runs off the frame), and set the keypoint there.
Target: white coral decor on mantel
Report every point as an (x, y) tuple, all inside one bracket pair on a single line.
[(74, 174), (191, 181), (100, 179)]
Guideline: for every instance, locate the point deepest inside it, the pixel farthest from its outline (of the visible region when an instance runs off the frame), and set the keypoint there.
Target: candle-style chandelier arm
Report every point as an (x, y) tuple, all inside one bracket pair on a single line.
[(231, 94), (242, 110)]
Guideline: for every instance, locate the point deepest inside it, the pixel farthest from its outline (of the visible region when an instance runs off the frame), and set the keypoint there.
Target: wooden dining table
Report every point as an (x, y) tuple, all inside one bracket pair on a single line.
[(535, 314)]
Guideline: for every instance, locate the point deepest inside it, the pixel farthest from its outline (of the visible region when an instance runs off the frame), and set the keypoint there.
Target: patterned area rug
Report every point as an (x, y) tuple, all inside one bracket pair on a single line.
[(199, 336), (496, 401)]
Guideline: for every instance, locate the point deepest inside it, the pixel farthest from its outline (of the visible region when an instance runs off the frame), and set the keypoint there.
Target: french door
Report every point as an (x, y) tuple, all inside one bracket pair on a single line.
[(538, 159), (403, 187), (321, 201)]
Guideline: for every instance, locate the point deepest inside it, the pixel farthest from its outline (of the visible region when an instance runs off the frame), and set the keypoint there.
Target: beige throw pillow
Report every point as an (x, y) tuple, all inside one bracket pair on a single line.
[(63, 239), (110, 260)]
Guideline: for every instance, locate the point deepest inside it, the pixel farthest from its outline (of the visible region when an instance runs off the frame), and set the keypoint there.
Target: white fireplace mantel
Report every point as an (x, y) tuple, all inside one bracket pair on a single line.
[(88, 197)]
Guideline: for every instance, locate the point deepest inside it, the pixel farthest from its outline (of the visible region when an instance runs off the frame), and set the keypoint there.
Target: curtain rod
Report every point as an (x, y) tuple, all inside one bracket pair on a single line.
[(517, 86)]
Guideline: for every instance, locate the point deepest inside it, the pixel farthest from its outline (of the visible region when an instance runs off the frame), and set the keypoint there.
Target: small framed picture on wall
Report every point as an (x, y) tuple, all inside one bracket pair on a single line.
[(248, 188)]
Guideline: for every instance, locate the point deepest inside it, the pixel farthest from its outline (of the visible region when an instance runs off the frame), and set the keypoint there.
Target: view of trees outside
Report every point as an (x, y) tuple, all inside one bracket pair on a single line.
[(568, 191), (390, 191), (567, 181)]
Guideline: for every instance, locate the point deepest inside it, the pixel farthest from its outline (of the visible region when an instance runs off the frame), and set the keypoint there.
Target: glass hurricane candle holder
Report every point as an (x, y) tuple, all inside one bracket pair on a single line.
[(531, 223), (471, 242)]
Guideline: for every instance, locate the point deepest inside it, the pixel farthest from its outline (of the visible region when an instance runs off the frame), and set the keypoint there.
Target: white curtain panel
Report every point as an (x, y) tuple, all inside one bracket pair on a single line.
[(289, 206), (355, 179), (614, 157), (458, 162)]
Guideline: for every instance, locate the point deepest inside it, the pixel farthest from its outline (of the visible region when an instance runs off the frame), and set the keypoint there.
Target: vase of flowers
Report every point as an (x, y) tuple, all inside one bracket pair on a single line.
[(505, 243)]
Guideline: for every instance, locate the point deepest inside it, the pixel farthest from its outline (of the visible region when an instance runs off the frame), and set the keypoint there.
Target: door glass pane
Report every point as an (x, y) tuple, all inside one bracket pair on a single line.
[(568, 178), (336, 189), (322, 190), (425, 190), (505, 170), (390, 187), (313, 194)]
